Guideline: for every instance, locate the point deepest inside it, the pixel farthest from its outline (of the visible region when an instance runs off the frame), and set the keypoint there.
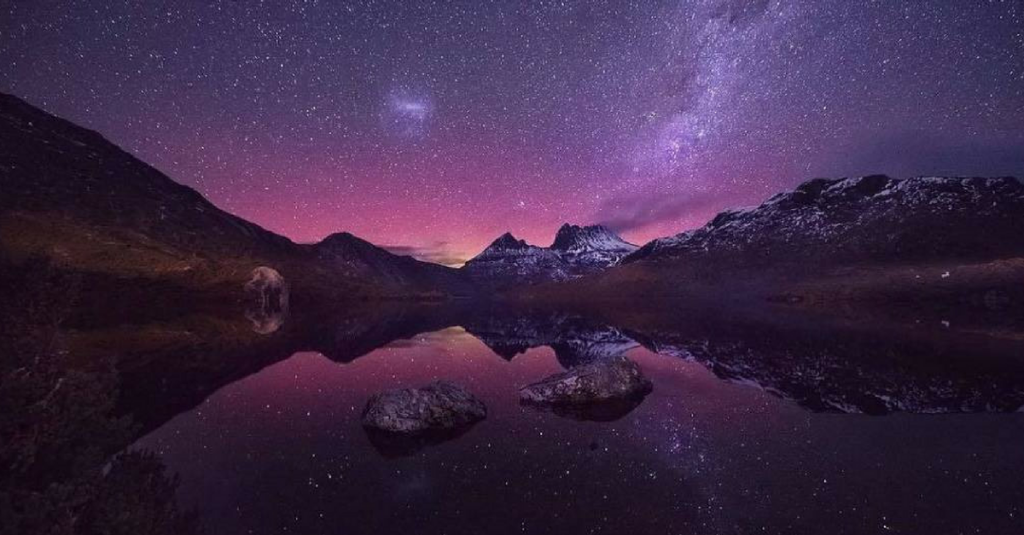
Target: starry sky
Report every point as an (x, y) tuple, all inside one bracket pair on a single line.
[(433, 127)]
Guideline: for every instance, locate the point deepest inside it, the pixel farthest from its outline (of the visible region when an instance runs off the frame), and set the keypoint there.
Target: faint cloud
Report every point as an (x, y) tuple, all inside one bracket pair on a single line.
[(438, 252), (626, 213)]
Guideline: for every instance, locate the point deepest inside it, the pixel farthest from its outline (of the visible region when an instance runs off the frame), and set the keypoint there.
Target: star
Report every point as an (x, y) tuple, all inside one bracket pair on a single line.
[(403, 121)]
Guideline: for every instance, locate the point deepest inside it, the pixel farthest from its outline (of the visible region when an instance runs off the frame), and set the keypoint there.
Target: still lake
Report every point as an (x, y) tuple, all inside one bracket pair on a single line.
[(710, 450)]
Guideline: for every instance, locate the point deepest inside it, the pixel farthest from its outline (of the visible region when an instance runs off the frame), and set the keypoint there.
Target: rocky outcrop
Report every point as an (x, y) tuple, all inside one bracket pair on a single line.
[(509, 261), (438, 406), (608, 380)]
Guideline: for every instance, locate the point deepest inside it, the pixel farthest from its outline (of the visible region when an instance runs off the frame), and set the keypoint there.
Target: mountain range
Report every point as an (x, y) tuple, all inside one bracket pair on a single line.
[(832, 243), (83, 204), (863, 219)]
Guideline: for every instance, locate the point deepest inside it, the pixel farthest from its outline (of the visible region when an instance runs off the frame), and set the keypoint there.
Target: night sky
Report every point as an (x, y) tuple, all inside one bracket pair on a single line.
[(433, 127)]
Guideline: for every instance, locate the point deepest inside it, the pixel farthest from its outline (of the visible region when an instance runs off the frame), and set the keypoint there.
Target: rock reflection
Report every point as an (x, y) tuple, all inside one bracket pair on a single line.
[(852, 368), (395, 445), (575, 339), (605, 411)]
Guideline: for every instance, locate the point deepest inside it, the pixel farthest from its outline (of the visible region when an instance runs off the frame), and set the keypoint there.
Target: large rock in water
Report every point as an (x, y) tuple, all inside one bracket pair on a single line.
[(268, 299), (439, 406), (611, 380)]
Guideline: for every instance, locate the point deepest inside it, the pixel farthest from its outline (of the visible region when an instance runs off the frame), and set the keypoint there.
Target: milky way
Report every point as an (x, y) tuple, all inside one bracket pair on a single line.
[(432, 127)]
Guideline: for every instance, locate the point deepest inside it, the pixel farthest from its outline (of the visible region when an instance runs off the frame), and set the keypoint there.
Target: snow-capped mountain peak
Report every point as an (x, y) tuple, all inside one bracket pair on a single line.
[(577, 250), (579, 239)]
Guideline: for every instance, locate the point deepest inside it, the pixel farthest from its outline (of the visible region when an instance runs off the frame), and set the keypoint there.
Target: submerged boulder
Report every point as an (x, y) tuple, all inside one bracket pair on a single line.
[(439, 406), (607, 381)]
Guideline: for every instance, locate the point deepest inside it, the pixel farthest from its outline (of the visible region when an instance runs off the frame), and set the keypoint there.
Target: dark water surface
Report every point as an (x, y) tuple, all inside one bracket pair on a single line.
[(746, 431)]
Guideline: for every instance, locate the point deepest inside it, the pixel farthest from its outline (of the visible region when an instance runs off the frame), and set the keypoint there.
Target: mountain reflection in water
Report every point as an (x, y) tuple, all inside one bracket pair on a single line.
[(756, 423)]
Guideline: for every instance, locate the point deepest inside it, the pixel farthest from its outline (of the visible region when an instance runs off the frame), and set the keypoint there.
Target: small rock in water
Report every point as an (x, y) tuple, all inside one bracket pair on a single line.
[(607, 380), (438, 406)]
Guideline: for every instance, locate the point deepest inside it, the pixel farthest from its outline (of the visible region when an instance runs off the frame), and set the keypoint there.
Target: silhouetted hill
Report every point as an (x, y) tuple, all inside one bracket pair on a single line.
[(351, 256), (76, 199)]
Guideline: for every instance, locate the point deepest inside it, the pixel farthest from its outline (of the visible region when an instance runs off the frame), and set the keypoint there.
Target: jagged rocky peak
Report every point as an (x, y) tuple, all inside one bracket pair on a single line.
[(507, 242), (507, 246), (575, 238), (576, 251)]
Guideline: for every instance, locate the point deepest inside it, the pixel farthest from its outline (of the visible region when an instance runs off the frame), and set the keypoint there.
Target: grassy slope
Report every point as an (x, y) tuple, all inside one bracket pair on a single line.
[(986, 293)]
